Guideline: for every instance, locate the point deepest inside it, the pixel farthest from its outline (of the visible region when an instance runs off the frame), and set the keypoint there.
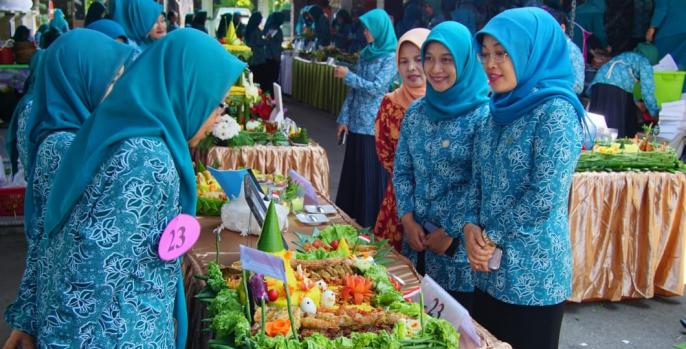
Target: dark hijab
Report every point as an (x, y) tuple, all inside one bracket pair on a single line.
[(22, 34), (253, 23), (95, 12)]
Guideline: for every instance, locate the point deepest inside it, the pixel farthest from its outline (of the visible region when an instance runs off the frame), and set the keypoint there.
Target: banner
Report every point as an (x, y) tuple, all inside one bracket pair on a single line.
[(262, 263)]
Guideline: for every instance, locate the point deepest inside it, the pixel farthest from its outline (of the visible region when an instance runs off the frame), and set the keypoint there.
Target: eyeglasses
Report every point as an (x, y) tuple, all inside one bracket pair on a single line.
[(498, 57)]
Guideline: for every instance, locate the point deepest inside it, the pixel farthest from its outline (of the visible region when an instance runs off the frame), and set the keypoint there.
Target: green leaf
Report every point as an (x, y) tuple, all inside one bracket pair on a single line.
[(681, 345)]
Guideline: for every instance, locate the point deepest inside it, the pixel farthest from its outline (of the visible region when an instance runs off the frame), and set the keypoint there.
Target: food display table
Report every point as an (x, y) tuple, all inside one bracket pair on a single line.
[(313, 83), (195, 263), (628, 234), (309, 161)]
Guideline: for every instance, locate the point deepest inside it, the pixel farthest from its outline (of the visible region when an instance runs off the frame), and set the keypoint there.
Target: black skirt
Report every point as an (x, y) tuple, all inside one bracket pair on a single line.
[(617, 106), (522, 326), (363, 180)]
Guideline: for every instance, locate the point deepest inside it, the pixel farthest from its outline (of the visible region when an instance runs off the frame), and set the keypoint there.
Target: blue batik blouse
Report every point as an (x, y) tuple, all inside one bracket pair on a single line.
[(433, 169), (367, 83), (522, 175), (103, 284)]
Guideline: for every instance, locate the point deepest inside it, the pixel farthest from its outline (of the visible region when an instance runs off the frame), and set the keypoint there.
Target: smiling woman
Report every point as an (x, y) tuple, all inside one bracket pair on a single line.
[(434, 156), (524, 159), (387, 126), (498, 66)]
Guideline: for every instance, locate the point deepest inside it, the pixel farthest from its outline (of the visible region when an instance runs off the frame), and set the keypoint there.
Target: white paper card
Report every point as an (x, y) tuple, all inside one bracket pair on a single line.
[(667, 63), (440, 304), (597, 120)]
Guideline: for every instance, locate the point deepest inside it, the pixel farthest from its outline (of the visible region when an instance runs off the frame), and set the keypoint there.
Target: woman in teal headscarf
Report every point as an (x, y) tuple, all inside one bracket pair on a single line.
[(433, 162), (524, 159), (363, 179), (138, 18), (127, 174), (65, 95), (58, 22)]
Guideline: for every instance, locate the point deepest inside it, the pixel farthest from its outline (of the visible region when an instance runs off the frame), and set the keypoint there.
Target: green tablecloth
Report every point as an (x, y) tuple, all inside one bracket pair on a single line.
[(314, 84)]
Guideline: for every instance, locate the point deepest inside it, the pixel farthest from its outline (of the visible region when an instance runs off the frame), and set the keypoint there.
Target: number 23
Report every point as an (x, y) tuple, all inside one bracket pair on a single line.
[(181, 238)]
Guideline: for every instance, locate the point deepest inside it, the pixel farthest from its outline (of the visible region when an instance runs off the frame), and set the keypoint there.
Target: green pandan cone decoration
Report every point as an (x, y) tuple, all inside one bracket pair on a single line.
[(271, 240)]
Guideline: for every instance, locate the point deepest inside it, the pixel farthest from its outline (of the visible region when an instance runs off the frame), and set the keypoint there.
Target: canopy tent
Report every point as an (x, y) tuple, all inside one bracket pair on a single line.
[(16, 5)]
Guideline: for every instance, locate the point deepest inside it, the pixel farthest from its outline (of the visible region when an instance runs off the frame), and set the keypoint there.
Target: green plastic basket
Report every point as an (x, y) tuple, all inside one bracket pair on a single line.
[(668, 86)]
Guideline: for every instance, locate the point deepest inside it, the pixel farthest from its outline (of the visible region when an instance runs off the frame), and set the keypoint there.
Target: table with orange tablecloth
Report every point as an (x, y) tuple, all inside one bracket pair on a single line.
[(628, 234), (309, 161), (204, 251)]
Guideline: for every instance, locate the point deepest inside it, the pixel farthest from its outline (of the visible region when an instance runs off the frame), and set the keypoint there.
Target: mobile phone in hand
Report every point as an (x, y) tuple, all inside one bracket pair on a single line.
[(341, 139), (429, 227), (494, 262)]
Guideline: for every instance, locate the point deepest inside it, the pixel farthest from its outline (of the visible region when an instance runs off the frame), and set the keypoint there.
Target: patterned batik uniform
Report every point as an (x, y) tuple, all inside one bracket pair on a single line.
[(21, 314), (367, 84), (523, 172), (387, 131), (433, 170), (105, 286)]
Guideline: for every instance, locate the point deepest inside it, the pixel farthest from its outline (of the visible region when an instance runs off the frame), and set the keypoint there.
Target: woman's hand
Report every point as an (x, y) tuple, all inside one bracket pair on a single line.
[(650, 34), (479, 251), (414, 234), (438, 242), (19, 339), (342, 128), (340, 72)]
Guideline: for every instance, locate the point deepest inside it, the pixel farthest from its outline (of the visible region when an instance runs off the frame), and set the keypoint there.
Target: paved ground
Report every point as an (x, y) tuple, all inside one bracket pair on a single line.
[(627, 325)]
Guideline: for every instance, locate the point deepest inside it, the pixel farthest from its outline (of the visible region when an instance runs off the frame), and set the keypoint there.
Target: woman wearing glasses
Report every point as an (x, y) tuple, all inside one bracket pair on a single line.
[(524, 160), (433, 161)]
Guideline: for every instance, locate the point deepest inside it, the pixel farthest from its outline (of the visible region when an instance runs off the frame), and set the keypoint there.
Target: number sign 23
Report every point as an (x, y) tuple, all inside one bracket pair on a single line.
[(178, 237)]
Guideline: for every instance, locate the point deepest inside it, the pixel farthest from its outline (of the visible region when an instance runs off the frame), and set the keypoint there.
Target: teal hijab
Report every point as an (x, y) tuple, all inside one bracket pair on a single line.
[(471, 86), (537, 47), (154, 98), (58, 22), (137, 17), (379, 25), (108, 27), (70, 88), (11, 141)]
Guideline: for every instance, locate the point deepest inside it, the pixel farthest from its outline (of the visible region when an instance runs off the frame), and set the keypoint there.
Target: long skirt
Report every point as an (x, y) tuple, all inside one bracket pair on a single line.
[(618, 108), (273, 68), (363, 180), (260, 75), (521, 326)]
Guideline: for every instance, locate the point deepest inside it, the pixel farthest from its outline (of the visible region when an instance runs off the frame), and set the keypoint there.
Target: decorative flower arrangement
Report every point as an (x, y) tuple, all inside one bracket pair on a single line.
[(226, 128), (253, 125)]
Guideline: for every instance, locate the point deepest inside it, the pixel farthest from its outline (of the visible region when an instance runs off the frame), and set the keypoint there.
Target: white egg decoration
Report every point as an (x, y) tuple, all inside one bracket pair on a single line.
[(322, 285), (308, 306), (328, 299)]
